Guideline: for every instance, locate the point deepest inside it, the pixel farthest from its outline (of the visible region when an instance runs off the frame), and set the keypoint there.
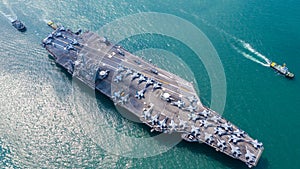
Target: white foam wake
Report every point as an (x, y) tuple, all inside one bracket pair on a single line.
[(252, 50), (249, 56), (255, 55), (11, 16), (240, 45)]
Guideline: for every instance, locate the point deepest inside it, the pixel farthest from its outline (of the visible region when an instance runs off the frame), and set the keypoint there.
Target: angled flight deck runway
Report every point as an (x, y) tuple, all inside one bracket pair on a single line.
[(162, 100)]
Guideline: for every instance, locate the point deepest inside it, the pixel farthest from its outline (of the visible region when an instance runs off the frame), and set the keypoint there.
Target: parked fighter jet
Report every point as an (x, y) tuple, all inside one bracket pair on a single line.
[(234, 139), (135, 75), (195, 131), (50, 36), (226, 126), (128, 72), (239, 133), (69, 47), (147, 113), (221, 144), (180, 104), (120, 52), (149, 82), (157, 85), (74, 42), (250, 157), (235, 151), (140, 94), (48, 41), (163, 123), (220, 131), (206, 124), (215, 118), (192, 99), (154, 71), (121, 69), (117, 95), (154, 120), (194, 117), (172, 125), (208, 138), (78, 32), (58, 34), (142, 79), (190, 108), (256, 144), (118, 78), (204, 113)]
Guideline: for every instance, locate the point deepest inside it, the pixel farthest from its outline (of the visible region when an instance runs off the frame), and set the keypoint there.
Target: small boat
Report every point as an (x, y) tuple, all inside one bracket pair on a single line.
[(52, 25), (282, 69), (19, 25)]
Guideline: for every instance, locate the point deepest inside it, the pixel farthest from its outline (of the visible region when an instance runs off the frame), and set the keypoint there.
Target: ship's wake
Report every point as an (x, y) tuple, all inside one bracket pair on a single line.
[(246, 50), (242, 47), (9, 17), (8, 11)]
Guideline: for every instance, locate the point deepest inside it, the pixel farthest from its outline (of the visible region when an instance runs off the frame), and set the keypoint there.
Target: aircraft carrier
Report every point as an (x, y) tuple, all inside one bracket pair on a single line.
[(162, 100)]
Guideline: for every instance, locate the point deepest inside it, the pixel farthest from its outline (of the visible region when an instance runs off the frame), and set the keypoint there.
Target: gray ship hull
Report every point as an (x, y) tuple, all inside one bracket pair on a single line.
[(163, 101)]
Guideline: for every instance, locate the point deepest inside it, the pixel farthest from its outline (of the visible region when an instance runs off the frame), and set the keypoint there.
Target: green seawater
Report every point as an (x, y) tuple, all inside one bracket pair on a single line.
[(43, 112)]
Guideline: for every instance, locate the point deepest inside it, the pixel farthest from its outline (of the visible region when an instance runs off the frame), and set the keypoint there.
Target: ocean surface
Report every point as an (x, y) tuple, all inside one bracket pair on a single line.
[(46, 118)]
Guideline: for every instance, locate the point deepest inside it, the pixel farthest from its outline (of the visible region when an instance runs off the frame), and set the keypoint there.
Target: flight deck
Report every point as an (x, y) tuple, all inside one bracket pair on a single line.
[(162, 100)]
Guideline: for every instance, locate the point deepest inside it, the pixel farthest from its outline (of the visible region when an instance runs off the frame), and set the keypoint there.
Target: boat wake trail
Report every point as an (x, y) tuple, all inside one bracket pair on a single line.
[(250, 52), (250, 57), (9, 14), (9, 17), (242, 47)]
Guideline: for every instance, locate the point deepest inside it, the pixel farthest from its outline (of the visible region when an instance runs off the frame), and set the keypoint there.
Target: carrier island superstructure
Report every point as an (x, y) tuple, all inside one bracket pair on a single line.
[(162, 100)]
